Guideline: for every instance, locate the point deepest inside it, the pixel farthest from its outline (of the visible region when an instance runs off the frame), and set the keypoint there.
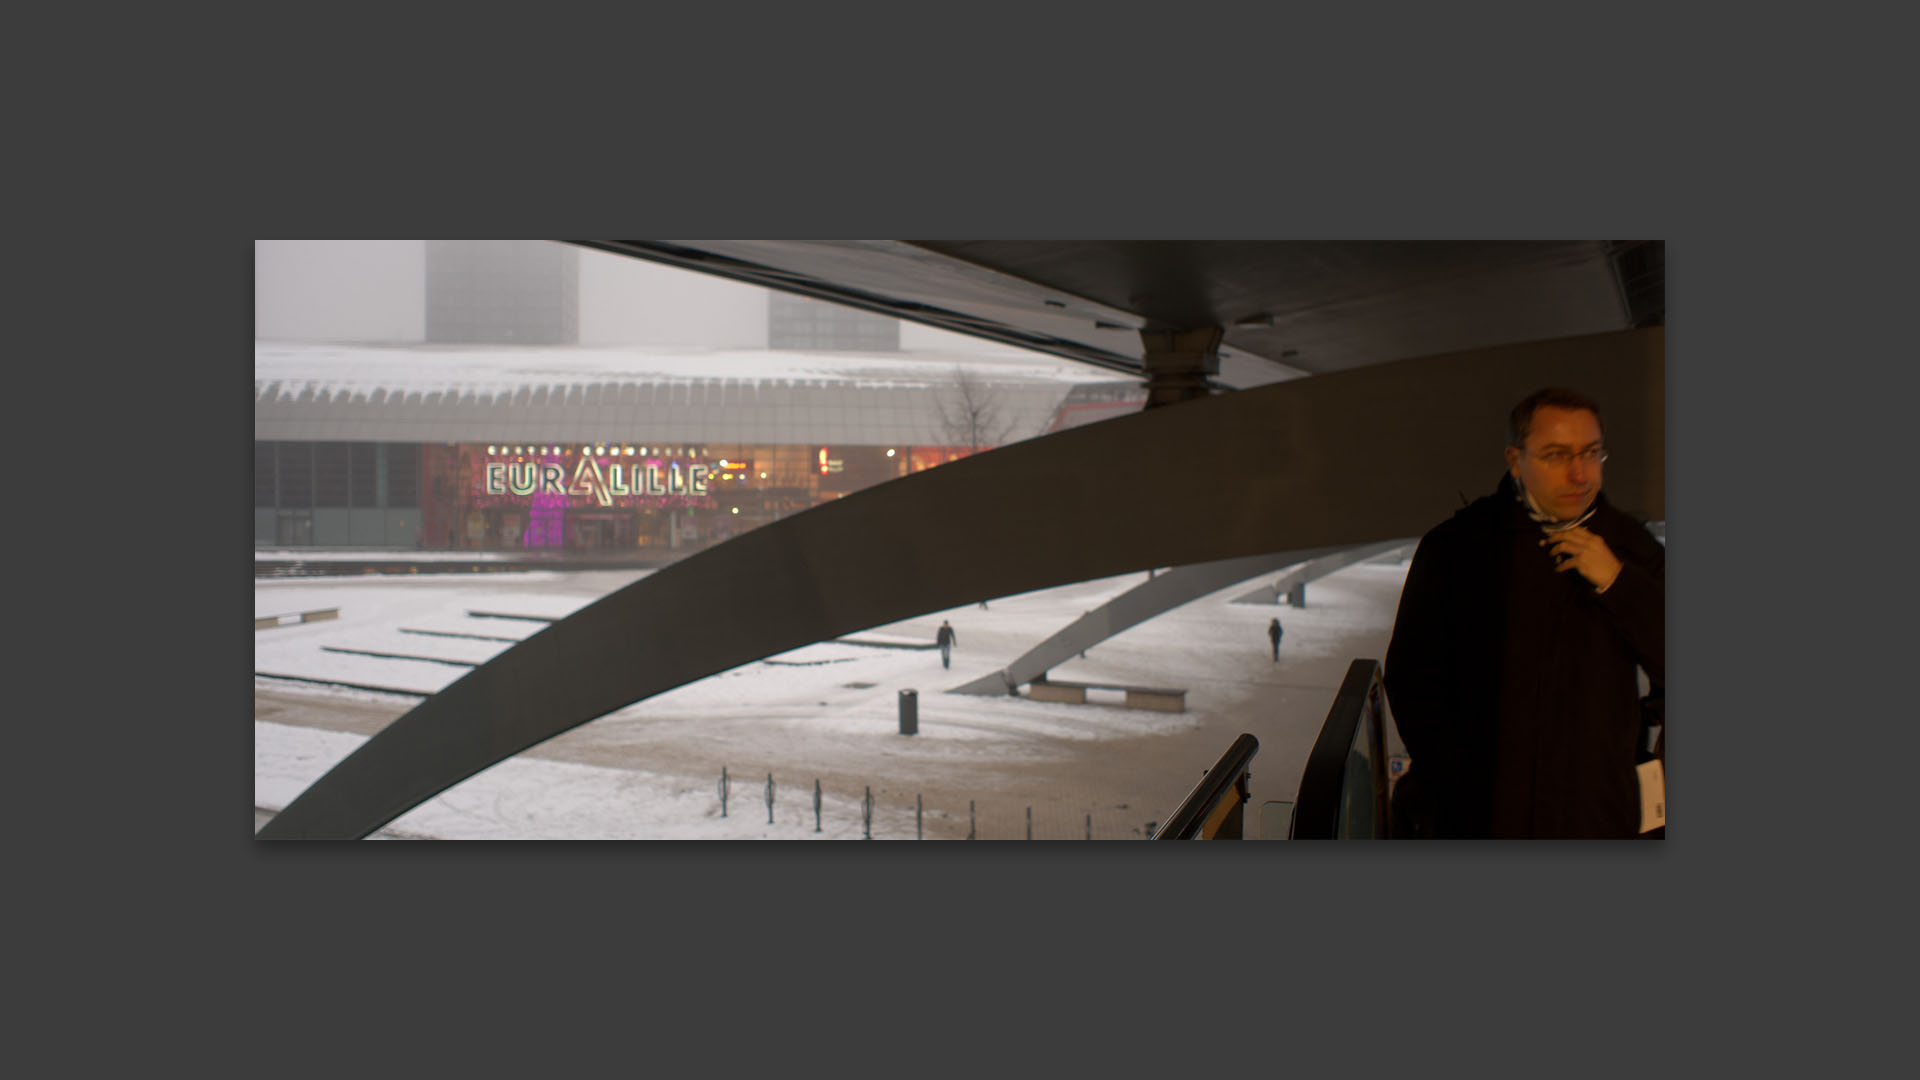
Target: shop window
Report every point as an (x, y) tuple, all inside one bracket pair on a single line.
[(403, 475), (362, 487), (265, 485), (330, 474), (294, 528), (295, 465)]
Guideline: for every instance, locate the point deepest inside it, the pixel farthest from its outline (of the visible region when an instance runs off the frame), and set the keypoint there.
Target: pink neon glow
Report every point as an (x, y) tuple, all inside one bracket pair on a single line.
[(546, 521)]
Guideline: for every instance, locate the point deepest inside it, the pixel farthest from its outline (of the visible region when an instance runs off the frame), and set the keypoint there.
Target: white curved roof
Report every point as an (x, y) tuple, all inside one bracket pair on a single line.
[(439, 393)]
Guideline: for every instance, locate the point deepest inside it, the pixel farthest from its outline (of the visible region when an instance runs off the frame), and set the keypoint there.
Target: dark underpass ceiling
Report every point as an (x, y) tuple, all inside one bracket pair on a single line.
[(1288, 308)]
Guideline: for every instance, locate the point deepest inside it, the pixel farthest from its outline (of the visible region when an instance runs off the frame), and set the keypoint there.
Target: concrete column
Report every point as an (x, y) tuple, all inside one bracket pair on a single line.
[(1178, 363)]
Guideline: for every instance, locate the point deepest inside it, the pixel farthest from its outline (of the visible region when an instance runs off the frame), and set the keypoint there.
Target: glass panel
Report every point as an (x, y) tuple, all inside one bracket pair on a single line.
[(330, 475), (367, 528), (403, 528), (523, 292), (403, 475), (264, 484), (1356, 788), (296, 474), (800, 322), (294, 528), (361, 478), (332, 527)]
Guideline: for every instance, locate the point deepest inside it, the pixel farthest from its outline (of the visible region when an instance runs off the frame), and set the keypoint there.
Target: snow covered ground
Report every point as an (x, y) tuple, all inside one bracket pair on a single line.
[(826, 713)]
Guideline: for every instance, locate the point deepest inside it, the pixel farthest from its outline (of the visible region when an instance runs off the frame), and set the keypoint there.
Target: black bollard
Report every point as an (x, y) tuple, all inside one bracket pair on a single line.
[(769, 798), (909, 712), (866, 816), (816, 805), (1029, 822), (916, 819), (970, 832), (723, 791)]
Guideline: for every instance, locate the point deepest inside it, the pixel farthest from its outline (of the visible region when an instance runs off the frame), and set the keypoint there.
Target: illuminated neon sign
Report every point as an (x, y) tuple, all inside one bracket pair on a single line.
[(636, 479)]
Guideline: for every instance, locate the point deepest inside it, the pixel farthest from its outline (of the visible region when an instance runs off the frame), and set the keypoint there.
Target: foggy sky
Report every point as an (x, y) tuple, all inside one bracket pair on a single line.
[(374, 291)]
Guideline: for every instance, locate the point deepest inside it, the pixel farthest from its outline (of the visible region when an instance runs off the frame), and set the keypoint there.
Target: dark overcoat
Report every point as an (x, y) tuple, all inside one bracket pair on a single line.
[(1512, 684)]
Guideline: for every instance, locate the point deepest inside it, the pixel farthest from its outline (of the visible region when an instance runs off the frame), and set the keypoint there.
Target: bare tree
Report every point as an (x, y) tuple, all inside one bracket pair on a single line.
[(971, 412)]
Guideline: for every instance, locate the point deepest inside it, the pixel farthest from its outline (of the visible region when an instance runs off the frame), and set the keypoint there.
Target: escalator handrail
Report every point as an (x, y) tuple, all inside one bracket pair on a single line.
[(1322, 782), (1193, 811)]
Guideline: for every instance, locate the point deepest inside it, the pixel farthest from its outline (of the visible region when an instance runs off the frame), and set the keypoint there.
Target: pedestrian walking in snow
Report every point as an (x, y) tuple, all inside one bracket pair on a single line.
[(1273, 634), (945, 640)]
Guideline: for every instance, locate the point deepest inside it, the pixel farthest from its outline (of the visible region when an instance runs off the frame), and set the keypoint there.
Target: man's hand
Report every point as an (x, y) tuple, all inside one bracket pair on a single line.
[(1578, 549)]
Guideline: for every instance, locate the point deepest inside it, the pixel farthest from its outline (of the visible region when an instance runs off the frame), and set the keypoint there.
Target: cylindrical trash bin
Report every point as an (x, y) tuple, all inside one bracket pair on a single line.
[(909, 712)]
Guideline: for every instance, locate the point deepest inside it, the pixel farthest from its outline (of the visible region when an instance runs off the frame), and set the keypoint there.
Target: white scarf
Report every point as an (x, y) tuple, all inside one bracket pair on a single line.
[(1547, 524)]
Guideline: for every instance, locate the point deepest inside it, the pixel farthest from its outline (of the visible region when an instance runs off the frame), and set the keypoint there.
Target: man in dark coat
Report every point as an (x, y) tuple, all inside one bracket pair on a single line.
[(945, 639), (1511, 672), (1273, 635)]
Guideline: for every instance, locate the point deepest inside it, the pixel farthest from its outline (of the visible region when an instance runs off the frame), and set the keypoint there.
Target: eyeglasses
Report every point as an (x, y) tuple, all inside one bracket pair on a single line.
[(1560, 459)]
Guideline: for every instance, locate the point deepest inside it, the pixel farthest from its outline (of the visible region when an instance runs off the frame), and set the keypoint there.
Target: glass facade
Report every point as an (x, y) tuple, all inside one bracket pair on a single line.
[(336, 494), (502, 292), (800, 322)]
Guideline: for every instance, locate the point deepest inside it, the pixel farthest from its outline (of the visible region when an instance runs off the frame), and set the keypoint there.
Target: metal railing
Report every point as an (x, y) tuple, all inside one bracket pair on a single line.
[(1216, 807), (1343, 790)]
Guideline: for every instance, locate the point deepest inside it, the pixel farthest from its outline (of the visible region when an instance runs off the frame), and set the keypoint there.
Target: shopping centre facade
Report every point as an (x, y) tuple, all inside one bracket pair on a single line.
[(617, 449)]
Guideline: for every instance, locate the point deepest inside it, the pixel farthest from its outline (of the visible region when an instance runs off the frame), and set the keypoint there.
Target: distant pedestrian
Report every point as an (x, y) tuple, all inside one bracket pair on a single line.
[(945, 639), (1273, 634)]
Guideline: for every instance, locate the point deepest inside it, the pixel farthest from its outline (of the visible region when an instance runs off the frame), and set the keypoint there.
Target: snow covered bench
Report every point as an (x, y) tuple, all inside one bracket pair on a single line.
[(888, 641), (1160, 698), (268, 622)]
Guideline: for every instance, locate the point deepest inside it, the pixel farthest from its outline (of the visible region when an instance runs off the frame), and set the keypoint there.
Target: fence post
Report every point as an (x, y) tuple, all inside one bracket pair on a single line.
[(1029, 822), (970, 833), (816, 804), (866, 816), (769, 798), (723, 791), (916, 819)]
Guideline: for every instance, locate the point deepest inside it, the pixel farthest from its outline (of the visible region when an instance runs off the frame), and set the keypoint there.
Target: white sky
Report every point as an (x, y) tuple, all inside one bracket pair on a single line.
[(375, 291)]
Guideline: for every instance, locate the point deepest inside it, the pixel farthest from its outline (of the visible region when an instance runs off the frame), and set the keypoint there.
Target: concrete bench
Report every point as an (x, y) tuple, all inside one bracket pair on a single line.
[(888, 643), (1159, 698), (268, 622)]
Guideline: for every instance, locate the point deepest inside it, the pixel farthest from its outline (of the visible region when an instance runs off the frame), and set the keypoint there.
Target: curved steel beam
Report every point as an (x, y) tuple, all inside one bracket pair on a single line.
[(1347, 458), (1316, 569), (1159, 594)]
